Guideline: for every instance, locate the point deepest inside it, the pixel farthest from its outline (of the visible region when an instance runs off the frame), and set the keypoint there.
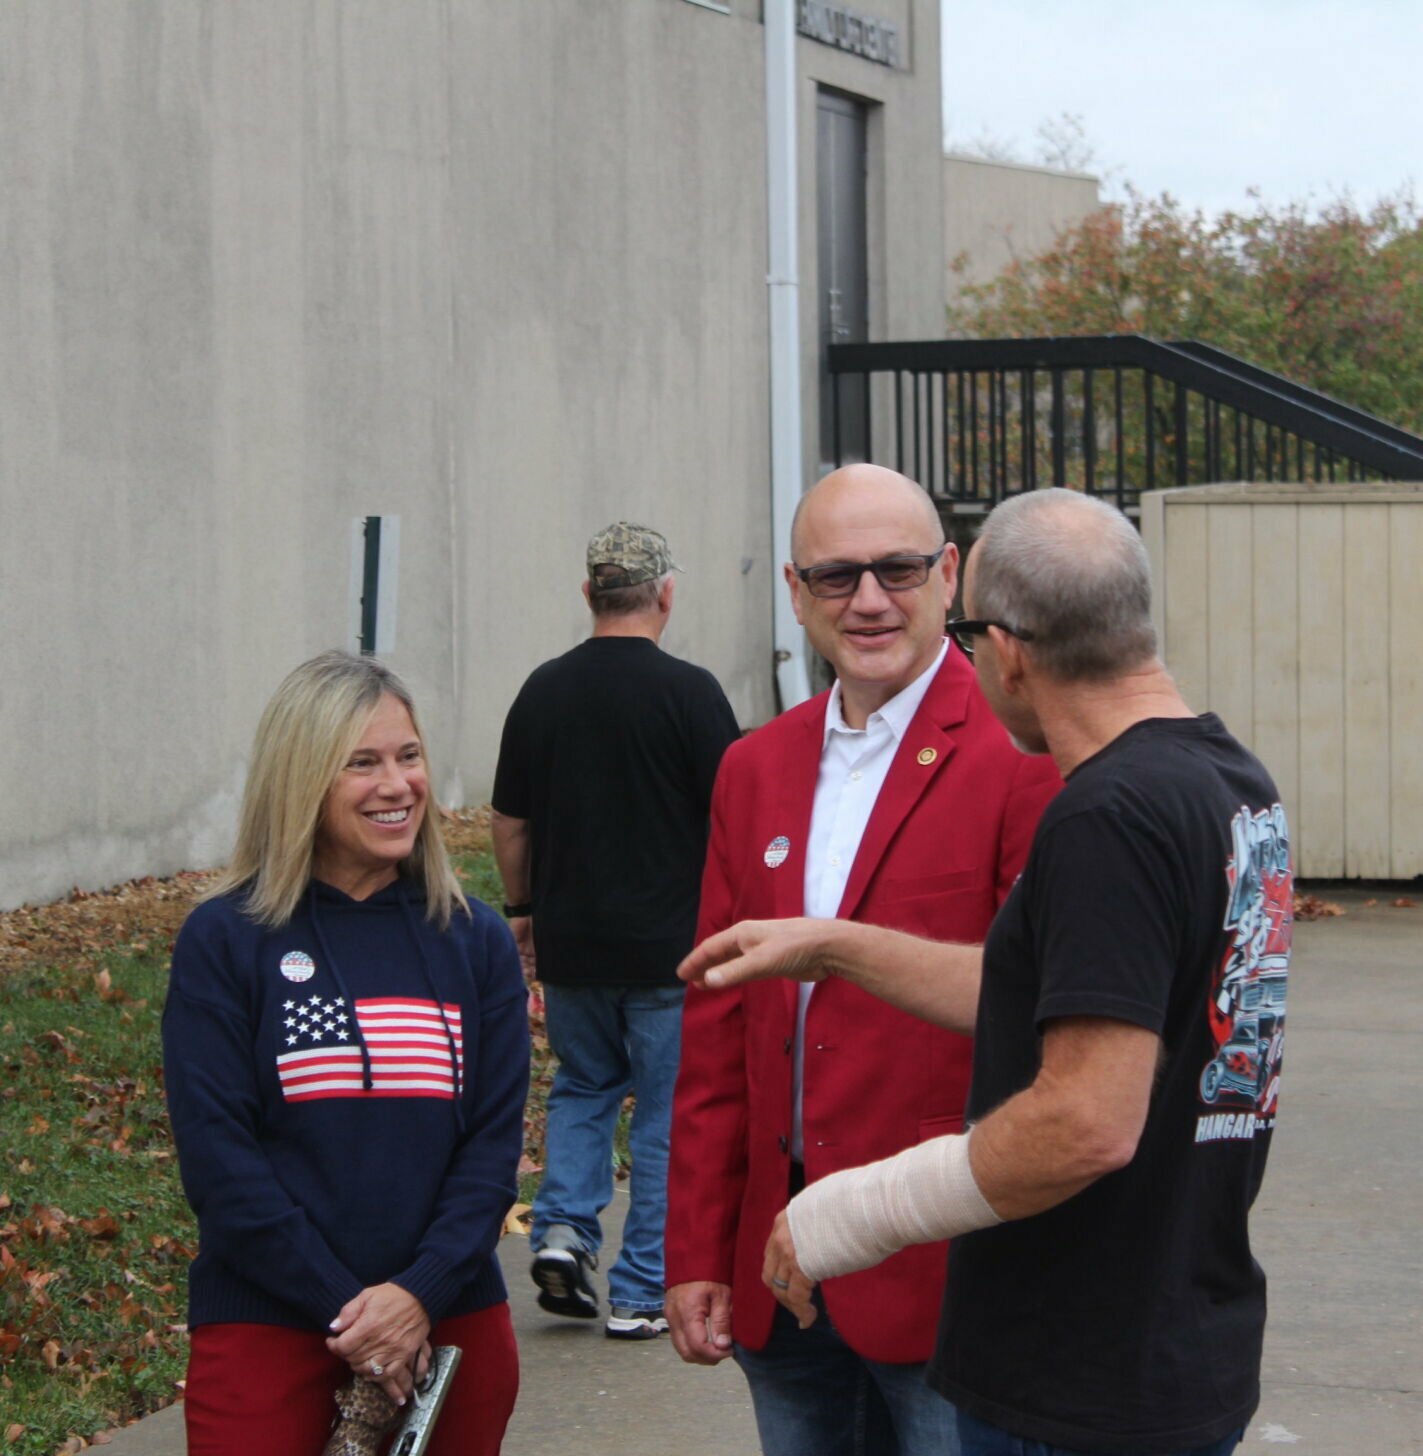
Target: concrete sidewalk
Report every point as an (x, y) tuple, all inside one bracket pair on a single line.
[(1337, 1228)]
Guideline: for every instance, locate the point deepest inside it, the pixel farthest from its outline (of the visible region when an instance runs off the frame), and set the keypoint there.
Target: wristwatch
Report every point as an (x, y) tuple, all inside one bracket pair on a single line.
[(515, 912)]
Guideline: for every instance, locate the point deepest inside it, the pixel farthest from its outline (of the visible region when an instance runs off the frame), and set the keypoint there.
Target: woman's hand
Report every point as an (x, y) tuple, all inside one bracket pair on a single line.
[(382, 1334)]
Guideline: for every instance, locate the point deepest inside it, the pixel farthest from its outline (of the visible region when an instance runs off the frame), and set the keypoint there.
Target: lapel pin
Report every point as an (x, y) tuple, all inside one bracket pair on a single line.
[(777, 851), (928, 755)]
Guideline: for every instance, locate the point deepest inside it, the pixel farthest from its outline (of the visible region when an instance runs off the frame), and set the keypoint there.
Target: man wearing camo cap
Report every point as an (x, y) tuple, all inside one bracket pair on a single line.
[(600, 819)]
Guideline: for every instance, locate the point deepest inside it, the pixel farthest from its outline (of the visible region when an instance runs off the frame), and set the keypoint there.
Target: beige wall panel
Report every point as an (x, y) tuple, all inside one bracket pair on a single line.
[(1311, 610), (1274, 629), (1367, 804), (1231, 616), (1405, 618), (1153, 534), (996, 213), (1186, 643), (1319, 826)]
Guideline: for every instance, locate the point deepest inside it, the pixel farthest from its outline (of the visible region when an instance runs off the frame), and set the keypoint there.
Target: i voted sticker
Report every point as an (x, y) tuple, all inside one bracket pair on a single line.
[(777, 851), (298, 966)]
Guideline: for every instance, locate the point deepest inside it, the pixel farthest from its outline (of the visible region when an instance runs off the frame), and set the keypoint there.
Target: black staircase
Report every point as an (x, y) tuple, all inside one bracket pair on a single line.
[(974, 420)]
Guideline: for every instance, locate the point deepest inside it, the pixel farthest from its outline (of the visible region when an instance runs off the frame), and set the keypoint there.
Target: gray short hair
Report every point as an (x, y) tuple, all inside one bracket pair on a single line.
[(626, 601), (1073, 571)]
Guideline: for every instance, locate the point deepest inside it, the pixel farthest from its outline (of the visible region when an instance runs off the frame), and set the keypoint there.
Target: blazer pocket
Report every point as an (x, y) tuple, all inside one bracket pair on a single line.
[(932, 1127), (913, 887)]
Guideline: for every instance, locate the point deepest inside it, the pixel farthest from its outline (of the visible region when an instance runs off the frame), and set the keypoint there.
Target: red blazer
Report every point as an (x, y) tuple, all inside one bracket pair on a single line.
[(945, 841)]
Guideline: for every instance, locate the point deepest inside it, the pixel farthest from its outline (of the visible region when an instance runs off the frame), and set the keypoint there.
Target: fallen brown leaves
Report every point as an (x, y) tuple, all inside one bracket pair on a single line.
[(466, 830), (139, 916), (1311, 907), (145, 914)]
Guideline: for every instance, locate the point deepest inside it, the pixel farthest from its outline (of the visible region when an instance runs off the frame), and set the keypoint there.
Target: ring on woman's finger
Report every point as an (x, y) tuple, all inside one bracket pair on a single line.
[(377, 1370), (780, 1283)]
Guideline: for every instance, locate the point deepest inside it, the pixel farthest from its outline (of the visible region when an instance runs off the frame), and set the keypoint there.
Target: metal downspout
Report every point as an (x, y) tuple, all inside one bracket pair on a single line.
[(783, 284)]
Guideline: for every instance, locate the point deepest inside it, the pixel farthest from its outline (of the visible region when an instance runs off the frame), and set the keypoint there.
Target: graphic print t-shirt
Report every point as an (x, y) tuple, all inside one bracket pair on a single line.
[(1158, 892)]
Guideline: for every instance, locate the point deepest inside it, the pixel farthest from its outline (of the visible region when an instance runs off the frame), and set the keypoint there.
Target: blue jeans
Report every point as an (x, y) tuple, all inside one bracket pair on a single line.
[(611, 1040), (814, 1394), (981, 1439)]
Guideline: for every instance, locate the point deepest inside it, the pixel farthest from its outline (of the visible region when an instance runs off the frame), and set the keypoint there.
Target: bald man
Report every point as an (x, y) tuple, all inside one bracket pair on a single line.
[(895, 799)]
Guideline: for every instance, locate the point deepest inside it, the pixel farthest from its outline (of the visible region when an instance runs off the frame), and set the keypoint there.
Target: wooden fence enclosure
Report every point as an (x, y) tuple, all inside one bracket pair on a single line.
[(1296, 613)]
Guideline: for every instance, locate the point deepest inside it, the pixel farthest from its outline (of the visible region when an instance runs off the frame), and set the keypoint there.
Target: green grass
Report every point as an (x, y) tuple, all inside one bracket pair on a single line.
[(96, 1238), (480, 877)]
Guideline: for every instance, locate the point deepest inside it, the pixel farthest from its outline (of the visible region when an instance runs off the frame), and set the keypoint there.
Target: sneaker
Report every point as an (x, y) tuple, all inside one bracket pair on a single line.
[(635, 1324), (561, 1269)]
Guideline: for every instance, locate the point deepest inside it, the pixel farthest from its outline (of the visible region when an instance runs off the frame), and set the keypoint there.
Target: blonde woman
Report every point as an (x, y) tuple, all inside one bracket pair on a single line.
[(346, 1056)]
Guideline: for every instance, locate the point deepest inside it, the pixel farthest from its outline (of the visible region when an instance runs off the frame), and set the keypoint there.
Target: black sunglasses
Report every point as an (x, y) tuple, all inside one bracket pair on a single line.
[(842, 578), (964, 629)]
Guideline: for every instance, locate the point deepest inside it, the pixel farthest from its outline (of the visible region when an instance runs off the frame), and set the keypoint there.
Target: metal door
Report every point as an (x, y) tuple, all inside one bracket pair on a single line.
[(840, 163)]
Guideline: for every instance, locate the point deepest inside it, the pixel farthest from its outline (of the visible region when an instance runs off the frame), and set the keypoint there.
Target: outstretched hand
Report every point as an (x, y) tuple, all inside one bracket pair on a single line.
[(755, 949)]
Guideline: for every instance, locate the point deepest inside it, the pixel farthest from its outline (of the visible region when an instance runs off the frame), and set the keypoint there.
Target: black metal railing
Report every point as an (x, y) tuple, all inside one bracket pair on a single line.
[(977, 419)]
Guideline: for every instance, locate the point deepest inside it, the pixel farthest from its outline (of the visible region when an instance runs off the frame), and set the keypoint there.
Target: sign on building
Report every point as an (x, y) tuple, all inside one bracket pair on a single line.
[(849, 30)]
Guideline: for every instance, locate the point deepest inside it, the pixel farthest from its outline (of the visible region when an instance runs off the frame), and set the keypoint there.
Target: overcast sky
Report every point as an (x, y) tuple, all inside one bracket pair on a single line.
[(1300, 98)]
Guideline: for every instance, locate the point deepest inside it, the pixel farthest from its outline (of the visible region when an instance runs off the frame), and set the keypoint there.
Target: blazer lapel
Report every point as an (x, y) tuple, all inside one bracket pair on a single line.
[(794, 800), (923, 752)]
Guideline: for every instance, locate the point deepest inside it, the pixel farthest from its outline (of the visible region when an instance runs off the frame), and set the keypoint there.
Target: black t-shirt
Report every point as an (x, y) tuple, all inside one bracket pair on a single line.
[(611, 751), (1158, 892)]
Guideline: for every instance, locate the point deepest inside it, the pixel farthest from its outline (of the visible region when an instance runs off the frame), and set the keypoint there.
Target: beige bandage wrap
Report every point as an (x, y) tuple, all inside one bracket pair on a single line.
[(855, 1219)]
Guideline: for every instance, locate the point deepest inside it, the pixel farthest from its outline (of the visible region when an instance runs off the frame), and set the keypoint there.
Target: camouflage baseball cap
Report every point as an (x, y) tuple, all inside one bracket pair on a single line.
[(638, 552)]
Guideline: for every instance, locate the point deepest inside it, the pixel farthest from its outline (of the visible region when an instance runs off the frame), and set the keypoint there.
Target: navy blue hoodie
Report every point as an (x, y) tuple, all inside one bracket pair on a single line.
[(347, 1096)]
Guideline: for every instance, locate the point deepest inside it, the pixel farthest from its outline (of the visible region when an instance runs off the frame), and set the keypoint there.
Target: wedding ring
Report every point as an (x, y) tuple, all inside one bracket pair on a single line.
[(377, 1370), (780, 1283)]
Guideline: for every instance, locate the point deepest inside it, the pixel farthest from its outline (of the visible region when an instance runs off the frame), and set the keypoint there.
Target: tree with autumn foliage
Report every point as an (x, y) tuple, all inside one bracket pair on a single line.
[(1330, 297)]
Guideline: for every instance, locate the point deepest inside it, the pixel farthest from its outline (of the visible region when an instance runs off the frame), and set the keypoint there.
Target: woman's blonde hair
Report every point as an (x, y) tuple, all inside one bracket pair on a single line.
[(309, 728)]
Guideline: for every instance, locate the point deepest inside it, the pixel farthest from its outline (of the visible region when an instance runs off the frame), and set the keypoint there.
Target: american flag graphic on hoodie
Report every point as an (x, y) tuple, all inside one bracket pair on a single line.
[(407, 1040)]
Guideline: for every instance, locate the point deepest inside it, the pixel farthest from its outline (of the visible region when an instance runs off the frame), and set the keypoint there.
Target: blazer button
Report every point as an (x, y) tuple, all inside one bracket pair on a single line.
[(785, 1145), (789, 1044)]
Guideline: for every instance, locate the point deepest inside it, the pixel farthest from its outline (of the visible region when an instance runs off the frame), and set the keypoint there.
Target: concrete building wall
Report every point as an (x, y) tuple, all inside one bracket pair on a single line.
[(496, 269), (996, 212)]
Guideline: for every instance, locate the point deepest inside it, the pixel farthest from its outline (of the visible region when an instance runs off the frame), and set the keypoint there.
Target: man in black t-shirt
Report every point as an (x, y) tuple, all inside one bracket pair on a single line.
[(601, 799), (1128, 1009)]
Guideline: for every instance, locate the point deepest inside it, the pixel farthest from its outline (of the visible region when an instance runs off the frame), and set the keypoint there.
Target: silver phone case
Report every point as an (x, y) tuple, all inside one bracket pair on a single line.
[(413, 1433)]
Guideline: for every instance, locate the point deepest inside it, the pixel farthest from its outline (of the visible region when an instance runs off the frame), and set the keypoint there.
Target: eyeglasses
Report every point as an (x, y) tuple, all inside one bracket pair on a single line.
[(842, 578), (964, 629)]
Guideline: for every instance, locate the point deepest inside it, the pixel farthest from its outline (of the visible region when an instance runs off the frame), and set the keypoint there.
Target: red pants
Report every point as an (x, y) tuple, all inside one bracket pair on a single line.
[(264, 1388)]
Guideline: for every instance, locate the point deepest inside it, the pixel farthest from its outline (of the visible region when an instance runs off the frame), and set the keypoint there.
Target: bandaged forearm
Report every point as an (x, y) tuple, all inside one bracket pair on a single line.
[(855, 1219)]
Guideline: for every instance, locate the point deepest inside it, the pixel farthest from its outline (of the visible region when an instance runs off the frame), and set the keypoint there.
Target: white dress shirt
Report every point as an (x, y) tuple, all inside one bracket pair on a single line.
[(853, 766)]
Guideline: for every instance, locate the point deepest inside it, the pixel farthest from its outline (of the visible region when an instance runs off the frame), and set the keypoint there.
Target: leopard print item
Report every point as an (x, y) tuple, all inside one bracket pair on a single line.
[(367, 1415)]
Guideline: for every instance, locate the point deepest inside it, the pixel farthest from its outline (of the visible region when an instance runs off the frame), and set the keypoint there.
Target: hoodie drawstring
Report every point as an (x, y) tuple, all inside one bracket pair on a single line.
[(366, 1079), (456, 1066)]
